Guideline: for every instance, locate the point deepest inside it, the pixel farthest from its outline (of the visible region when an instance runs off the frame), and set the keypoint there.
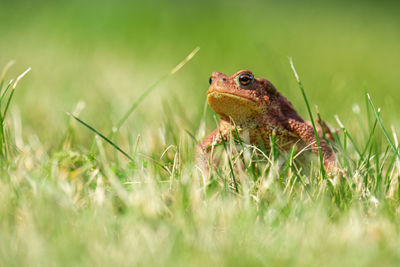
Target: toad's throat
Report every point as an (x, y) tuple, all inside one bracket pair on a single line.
[(237, 107)]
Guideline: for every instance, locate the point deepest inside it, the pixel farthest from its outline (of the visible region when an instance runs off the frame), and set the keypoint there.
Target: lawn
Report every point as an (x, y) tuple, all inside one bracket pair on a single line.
[(70, 198)]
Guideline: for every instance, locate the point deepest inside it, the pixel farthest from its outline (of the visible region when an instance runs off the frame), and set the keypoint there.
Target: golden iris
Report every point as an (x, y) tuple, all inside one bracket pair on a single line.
[(245, 79)]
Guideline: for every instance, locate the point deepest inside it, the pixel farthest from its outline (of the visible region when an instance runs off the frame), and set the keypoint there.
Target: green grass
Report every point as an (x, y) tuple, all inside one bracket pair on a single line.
[(69, 198)]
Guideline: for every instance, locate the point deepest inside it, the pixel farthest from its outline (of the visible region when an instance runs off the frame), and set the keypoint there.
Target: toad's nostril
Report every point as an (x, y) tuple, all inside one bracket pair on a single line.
[(224, 79)]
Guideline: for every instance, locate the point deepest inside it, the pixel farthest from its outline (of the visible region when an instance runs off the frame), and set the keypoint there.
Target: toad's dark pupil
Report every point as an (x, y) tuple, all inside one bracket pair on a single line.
[(211, 80)]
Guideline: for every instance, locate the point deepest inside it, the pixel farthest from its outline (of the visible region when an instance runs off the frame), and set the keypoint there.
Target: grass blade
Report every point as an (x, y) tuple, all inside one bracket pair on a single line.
[(371, 134), (229, 162), (311, 118), (382, 127), (347, 135), (102, 136), (153, 86), (4, 72), (7, 104), (3, 94)]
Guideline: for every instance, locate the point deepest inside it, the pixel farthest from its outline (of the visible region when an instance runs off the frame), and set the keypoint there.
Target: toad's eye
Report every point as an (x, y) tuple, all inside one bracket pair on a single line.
[(245, 79), (210, 80)]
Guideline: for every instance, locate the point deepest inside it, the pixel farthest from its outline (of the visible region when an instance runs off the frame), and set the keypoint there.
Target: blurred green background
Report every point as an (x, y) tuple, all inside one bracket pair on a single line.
[(107, 52)]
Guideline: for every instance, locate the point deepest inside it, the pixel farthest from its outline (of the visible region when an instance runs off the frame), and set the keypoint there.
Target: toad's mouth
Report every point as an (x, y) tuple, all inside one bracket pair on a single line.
[(230, 105)]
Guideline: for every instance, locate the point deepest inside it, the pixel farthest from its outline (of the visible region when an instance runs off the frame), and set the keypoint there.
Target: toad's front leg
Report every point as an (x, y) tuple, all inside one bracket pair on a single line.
[(306, 133), (203, 151)]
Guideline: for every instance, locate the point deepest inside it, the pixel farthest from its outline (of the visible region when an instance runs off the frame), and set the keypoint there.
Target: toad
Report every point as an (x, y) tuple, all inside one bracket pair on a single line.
[(256, 110)]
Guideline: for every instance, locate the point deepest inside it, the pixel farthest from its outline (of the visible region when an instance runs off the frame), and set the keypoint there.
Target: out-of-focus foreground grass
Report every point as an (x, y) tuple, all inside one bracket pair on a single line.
[(66, 202)]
